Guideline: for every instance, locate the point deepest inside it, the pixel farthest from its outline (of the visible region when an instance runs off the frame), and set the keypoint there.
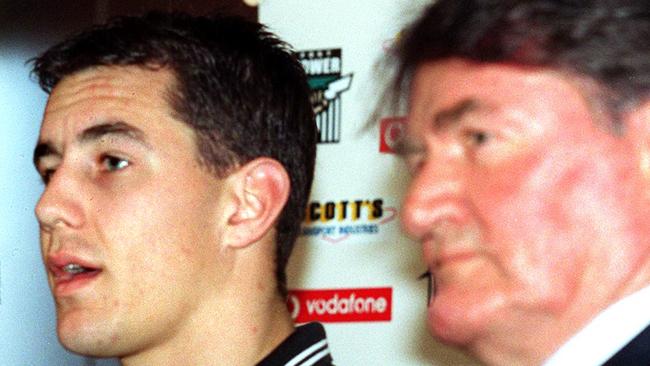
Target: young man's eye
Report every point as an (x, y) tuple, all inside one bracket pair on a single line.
[(113, 163)]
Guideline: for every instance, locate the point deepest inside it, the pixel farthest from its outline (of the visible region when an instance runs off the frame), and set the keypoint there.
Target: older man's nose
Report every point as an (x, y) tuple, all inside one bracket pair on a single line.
[(434, 190)]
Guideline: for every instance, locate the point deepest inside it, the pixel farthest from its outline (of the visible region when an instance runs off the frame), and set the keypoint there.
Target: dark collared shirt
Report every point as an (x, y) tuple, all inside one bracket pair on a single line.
[(306, 346)]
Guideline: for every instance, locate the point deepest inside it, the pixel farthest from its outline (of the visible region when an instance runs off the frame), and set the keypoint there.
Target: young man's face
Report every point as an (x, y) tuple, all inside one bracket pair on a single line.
[(129, 219), (526, 209)]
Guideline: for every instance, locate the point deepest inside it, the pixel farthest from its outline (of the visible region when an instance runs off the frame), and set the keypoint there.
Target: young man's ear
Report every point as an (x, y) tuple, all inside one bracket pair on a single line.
[(259, 190)]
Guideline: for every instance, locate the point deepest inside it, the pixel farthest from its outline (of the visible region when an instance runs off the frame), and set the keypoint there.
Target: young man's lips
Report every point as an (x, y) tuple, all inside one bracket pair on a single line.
[(70, 273), (68, 284)]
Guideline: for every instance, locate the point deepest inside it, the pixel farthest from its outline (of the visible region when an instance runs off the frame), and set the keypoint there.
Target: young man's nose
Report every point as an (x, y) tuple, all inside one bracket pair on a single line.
[(61, 201)]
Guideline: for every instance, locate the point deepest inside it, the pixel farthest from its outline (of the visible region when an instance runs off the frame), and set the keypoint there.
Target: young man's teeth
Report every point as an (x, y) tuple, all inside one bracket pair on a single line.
[(73, 268)]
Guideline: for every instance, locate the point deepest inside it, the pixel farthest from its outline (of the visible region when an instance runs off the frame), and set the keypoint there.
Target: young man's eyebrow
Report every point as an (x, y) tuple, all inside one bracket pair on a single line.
[(117, 128), (94, 133)]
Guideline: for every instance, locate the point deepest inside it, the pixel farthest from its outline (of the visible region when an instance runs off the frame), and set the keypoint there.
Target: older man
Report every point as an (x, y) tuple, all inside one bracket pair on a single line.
[(529, 147), (177, 154)]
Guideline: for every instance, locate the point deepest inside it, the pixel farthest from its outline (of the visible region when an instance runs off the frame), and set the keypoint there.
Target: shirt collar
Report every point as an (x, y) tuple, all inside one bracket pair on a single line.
[(607, 333), (307, 345)]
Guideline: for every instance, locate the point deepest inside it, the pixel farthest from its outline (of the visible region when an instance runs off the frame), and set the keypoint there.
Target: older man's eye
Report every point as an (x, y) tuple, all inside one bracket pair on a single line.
[(477, 137), (414, 163), (412, 154), (113, 163)]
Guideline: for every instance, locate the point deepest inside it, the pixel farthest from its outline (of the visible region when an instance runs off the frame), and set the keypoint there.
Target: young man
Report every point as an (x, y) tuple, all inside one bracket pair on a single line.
[(529, 143), (177, 154)]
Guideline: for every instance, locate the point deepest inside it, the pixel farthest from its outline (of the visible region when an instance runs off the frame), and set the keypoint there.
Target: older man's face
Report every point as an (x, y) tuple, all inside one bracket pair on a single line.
[(526, 208)]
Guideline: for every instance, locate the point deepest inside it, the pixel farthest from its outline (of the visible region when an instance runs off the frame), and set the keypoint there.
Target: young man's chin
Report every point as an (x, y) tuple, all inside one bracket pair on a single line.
[(85, 340)]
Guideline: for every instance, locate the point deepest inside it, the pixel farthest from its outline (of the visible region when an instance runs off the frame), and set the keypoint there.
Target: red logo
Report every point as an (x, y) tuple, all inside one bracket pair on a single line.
[(341, 305), (391, 130)]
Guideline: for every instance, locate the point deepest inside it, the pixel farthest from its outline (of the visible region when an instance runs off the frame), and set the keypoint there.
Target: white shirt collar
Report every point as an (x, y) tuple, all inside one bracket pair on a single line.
[(607, 333)]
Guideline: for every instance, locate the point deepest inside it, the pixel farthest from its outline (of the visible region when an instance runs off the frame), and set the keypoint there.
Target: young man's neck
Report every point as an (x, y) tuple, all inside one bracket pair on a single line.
[(237, 327)]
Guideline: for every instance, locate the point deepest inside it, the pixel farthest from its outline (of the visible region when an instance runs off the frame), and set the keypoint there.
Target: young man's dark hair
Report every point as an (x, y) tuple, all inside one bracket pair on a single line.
[(603, 40), (238, 86)]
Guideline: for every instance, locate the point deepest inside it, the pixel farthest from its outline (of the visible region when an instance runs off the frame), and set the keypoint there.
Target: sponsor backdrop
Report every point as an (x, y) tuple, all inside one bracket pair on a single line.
[(352, 269)]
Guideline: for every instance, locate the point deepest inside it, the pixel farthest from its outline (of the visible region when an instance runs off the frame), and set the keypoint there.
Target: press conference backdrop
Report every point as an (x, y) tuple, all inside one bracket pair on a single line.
[(352, 268)]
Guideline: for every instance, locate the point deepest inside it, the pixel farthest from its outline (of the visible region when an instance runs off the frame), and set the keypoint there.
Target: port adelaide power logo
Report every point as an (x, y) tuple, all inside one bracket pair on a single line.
[(327, 84)]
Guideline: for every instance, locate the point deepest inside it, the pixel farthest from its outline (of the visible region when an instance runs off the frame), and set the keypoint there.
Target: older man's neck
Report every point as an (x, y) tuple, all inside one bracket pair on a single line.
[(534, 337)]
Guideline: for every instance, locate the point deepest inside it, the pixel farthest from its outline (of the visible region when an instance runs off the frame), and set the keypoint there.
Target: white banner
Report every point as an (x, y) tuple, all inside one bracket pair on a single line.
[(352, 268)]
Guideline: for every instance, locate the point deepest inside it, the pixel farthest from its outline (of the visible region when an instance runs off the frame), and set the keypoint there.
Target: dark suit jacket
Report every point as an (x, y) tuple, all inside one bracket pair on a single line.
[(635, 353)]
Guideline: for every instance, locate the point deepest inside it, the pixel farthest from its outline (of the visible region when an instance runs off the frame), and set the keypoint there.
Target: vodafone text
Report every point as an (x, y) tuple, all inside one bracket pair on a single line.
[(341, 305)]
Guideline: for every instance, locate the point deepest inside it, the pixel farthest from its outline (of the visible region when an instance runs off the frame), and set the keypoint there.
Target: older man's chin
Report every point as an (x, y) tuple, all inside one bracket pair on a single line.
[(459, 317)]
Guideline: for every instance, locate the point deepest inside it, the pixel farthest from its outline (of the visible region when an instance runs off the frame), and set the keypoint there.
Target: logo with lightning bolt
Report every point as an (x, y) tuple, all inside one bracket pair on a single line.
[(323, 68)]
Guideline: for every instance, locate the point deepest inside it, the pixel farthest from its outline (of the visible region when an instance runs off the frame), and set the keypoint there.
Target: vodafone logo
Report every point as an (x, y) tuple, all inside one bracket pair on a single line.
[(341, 305), (294, 305), (391, 131)]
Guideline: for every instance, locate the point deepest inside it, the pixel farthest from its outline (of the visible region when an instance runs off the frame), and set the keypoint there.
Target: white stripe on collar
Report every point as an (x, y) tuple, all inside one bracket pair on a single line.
[(307, 352)]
